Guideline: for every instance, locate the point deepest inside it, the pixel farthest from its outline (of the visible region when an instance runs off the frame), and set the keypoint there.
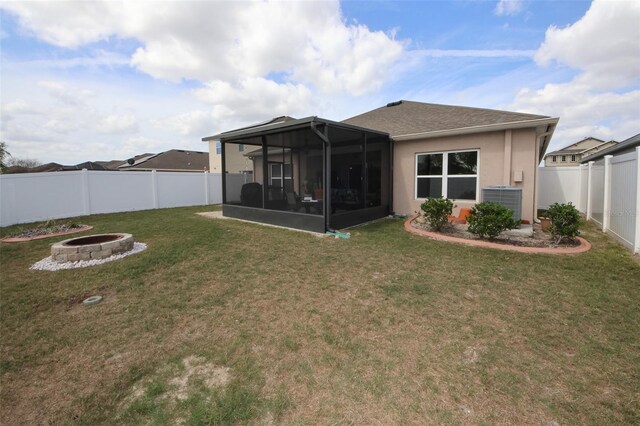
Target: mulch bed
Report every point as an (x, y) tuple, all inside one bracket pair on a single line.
[(45, 232), (539, 238)]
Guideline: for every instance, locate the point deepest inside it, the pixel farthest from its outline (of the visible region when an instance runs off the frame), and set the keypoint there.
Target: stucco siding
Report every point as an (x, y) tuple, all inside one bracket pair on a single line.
[(493, 158)]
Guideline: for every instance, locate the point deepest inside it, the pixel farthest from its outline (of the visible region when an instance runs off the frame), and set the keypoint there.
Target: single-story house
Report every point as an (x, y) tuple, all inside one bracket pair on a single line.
[(572, 155), (318, 174)]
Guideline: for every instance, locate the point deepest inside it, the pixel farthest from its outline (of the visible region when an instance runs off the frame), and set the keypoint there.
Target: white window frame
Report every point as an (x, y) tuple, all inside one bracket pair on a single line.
[(553, 158), (573, 158), (563, 158), (218, 148), (280, 178), (445, 174)]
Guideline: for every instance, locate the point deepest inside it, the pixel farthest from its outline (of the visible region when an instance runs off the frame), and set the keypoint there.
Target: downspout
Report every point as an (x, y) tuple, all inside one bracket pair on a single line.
[(538, 158), (224, 174)]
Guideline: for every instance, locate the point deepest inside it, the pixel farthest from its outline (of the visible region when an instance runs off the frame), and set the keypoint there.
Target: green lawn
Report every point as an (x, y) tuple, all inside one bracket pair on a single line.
[(221, 322)]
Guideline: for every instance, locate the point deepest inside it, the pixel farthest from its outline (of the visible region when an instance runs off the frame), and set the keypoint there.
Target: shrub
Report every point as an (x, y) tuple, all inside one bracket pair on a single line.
[(437, 211), (565, 221), (490, 219)]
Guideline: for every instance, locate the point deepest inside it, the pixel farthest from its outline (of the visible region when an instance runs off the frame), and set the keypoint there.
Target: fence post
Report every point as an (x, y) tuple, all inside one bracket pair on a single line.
[(636, 242), (206, 187), (154, 188), (589, 190), (86, 201), (606, 208)]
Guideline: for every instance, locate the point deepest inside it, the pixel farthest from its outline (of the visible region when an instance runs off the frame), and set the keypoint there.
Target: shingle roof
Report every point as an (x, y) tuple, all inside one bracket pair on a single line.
[(175, 159), (408, 117)]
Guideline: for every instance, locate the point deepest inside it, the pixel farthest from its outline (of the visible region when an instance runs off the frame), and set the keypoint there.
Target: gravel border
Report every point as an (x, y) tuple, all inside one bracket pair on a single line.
[(48, 264)]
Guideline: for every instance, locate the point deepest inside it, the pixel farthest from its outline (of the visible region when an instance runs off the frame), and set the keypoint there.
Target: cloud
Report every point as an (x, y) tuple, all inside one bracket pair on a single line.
[(20, 106), (603, 98), (509, 7), (252, 98), (100, 58), (117, 124), (603, 44), (308, 42), (477, 53)]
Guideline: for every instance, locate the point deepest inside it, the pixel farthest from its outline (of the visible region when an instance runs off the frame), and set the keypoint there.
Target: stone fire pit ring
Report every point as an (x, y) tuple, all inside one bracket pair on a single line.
[(99, 246)]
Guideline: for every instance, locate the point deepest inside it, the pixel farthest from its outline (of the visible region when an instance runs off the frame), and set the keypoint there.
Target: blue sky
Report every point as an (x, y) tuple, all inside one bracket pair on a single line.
[(109, 80)]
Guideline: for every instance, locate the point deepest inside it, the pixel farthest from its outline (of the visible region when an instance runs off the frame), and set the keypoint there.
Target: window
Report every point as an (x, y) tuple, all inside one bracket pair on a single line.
[(553, 158), (447, 174), (218, 148), (241, 147), (564, 158), (573, 158), (276, 175)]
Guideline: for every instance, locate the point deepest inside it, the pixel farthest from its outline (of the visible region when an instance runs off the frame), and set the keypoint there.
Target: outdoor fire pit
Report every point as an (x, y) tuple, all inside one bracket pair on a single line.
[(98, 246)]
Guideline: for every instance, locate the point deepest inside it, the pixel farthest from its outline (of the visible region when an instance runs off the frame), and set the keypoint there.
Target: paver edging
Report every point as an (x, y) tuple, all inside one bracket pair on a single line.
[(40, 237), (583, 247)]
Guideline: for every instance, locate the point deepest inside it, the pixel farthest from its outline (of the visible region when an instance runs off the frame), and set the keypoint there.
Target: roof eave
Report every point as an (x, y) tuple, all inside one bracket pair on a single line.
[(259, 130), (480, 129), (285, 126)]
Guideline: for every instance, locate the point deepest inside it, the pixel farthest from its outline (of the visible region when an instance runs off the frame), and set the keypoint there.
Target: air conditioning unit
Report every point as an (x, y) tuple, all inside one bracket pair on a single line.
[(507, 196)]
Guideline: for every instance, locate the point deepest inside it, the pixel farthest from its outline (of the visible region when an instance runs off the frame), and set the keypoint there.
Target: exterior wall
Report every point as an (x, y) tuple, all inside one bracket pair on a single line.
[(548, 160), (587, 143), (496, 151), (235, 161), (215, 160), (598, 148)]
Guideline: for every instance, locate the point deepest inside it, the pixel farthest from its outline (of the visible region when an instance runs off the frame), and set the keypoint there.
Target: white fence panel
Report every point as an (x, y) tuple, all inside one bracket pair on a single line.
[(215, 188), (111, 192), (597, 192), (558, 185), (624, 171), (584, 187), (177, 189), (610, 187), (33, 197), (40, 196), (234, 182)]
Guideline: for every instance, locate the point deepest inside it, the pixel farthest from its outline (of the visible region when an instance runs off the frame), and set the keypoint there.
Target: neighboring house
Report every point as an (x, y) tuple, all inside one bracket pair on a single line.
[(573, 154), (624, 147), (388, 159), (55, 167), (175, 160)]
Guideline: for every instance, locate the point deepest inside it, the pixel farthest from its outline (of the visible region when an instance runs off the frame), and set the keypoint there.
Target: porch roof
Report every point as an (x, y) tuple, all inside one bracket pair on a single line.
[(277, 127)]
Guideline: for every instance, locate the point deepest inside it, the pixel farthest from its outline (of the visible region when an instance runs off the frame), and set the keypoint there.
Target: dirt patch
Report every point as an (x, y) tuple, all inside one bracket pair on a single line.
[(197, 368), (179, 384)]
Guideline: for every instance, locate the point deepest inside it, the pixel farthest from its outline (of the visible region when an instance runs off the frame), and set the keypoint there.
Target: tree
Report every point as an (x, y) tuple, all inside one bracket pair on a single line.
[(23, 162), (3, 154)]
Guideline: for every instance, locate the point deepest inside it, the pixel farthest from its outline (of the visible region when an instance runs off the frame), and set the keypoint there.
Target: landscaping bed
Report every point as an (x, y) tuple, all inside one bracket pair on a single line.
[(538, 238), (47, 229)]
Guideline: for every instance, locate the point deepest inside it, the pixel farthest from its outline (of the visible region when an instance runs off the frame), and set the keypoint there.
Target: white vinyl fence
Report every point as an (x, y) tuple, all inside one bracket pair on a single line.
[(31, 197), (607, 191)]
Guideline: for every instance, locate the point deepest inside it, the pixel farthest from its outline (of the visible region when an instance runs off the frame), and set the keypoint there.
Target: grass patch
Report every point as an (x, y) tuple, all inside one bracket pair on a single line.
[(223, 322)]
